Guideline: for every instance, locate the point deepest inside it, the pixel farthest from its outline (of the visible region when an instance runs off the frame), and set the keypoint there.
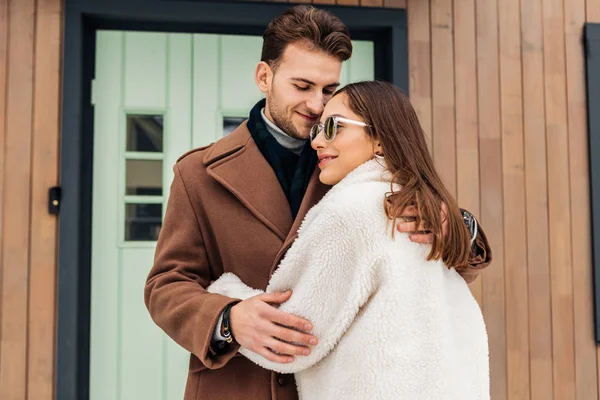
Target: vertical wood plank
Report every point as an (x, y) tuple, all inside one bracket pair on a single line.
[(515, 236), (394, 3), (538, 258), (347, 2), (492, 213), (592, 11), (371, 3), (586, 371), (40, 370), (419, 63), (16, 213), (442, 57), (323, 1), (3, 73), (467, 141), (559, 201)]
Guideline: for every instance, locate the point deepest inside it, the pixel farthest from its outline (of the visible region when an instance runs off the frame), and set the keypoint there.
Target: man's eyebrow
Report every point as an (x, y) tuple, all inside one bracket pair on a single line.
[(335, 84)]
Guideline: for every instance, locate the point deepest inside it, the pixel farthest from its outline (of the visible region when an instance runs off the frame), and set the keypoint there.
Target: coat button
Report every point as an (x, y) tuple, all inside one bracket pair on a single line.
[(282, 380)]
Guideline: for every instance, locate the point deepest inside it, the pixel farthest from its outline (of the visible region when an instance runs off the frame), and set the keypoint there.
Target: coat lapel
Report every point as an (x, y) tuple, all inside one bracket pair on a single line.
[(238, 165)]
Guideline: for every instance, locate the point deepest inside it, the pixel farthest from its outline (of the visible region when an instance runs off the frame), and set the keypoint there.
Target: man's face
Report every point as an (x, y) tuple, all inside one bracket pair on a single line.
[(299, 88)]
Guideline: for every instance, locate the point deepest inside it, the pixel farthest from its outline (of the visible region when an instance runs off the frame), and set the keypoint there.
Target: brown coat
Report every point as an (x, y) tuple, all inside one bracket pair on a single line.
[(226, 213)]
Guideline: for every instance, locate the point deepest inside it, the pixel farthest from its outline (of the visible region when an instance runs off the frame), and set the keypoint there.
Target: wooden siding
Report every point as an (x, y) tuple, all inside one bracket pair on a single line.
[(30, 54), (499, 87), (521, 166)]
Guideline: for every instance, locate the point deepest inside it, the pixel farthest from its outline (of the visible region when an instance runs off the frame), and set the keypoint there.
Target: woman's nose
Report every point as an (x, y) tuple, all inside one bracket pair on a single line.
[(318, 143)]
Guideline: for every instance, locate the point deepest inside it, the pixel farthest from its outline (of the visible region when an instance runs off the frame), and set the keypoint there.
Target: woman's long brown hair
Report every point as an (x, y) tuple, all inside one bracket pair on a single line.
[(394, 122)]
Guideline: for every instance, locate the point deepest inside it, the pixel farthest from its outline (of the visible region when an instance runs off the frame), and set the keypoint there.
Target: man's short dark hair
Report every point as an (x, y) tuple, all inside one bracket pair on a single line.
[(309, 26)]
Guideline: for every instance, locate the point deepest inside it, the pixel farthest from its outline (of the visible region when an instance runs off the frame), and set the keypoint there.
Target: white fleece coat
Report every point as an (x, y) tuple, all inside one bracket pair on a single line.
[(390, 324)]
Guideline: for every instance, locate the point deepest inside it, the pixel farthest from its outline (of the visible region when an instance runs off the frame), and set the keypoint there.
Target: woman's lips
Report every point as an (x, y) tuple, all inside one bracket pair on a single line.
[(325, 160)]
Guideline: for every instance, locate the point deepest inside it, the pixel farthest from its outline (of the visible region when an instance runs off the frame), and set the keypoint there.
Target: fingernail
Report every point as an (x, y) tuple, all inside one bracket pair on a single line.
[(403, 227), (290, 360), (313, 341), (305, 352), (307, 327)]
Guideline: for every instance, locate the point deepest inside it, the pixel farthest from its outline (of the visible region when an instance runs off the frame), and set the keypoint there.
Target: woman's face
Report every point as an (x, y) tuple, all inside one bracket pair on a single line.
[(350, 148)]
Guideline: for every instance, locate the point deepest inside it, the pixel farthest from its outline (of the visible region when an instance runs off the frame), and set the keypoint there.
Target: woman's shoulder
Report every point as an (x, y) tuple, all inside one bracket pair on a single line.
[(354, 205), (361, 194)]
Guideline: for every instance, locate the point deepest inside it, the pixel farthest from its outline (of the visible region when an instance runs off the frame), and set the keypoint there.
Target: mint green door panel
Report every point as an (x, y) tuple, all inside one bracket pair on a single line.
[(205, 89), (239, 56), (361, 66), (145, 69), (155, 96), (143, 348), (105, 253), (136, 73), (179, 100)]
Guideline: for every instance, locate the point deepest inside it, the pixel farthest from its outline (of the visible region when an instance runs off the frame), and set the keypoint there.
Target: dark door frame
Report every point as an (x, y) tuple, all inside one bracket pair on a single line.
[(592, 42), (386, 27)]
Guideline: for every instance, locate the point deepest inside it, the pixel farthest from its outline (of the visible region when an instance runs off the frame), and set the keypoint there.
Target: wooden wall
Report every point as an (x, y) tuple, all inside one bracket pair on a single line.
[(30, 54), (501, 82)]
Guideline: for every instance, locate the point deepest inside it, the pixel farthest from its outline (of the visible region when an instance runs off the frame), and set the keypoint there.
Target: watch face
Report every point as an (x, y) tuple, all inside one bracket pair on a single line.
[(470, 222)]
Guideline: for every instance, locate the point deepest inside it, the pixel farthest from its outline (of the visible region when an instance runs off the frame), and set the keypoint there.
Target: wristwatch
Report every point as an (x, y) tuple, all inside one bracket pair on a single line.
[(471, 223), (226, 327)]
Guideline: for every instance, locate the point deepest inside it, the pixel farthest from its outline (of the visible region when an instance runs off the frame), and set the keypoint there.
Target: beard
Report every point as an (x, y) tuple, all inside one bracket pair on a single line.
[(282, 121)]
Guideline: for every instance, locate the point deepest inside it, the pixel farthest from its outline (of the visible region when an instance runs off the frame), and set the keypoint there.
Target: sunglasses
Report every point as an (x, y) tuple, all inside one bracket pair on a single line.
[(330, 127)]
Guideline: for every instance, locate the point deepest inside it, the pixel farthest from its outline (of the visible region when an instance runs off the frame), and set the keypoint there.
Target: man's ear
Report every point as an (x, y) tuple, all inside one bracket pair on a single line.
[(263, 76)]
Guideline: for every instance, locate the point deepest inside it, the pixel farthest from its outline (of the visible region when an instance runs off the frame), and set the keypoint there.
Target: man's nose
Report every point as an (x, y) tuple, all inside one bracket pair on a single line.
[(315, 104)]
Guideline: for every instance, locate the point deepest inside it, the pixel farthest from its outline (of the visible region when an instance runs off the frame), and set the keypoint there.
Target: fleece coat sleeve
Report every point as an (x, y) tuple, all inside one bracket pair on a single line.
[(332, 270)]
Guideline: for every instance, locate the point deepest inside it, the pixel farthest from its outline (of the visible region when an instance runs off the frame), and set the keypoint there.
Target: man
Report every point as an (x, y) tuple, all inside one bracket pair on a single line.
[(235, 206)]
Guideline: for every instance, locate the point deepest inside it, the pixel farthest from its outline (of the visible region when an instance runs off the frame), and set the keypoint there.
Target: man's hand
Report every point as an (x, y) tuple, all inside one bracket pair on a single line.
[(420, 234), (263, 329)]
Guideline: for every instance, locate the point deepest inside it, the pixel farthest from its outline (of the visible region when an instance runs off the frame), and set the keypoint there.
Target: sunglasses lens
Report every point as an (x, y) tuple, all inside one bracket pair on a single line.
[(329, 128)]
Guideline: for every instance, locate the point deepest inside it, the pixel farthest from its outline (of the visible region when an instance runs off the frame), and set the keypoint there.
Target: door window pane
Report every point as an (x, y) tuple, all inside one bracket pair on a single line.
[(230, 123), (143, 177), (145, 133), (142, 221)]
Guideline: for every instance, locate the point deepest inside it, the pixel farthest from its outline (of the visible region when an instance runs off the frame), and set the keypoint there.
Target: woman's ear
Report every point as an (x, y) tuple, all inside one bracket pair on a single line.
[(377, 149), (263, 76)]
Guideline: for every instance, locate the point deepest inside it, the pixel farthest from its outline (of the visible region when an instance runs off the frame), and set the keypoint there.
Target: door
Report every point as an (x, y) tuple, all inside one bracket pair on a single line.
[(155, 96)]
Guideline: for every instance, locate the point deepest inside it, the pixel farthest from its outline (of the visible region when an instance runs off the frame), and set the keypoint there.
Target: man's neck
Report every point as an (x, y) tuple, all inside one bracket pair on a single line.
[(292, 144)]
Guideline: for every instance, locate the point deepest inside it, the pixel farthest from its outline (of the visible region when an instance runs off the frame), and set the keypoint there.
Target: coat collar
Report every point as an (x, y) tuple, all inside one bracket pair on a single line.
[(237, 164)]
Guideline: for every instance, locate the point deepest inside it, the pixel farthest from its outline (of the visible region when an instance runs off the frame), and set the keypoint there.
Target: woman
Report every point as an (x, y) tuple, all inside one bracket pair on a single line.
[(393, 321)]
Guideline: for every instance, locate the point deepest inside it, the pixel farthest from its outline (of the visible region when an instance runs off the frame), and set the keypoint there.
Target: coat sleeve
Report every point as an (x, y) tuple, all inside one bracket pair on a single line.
[(175, 293), (332, 271), (480, 258)]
